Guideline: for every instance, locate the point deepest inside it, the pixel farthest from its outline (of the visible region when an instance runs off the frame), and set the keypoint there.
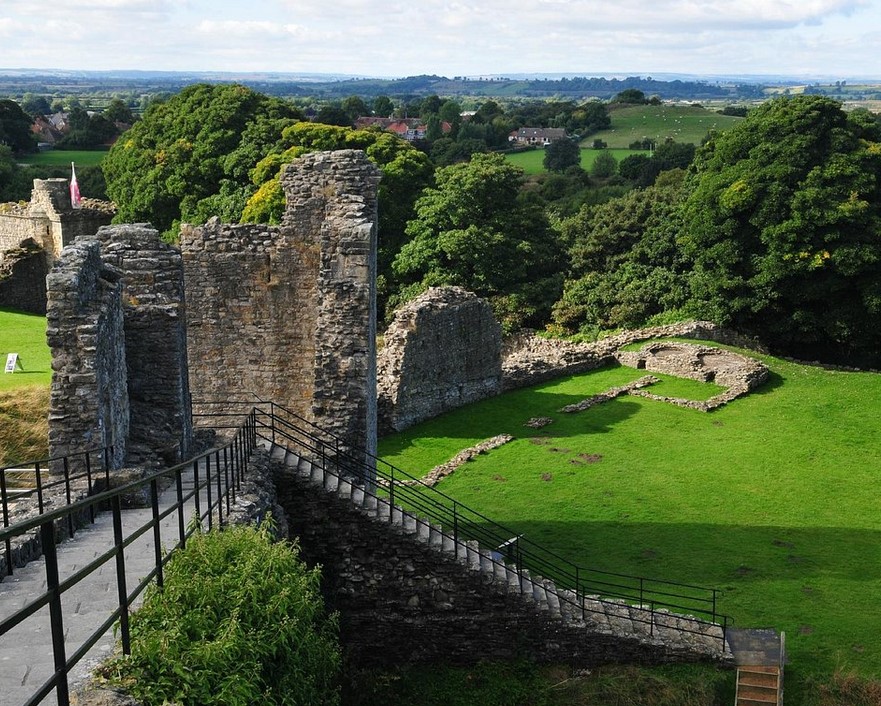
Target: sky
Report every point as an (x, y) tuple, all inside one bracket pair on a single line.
[(838, 39)]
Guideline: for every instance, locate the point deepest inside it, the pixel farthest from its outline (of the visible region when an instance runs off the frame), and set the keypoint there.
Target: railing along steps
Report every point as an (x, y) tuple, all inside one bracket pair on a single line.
[(601, 614)]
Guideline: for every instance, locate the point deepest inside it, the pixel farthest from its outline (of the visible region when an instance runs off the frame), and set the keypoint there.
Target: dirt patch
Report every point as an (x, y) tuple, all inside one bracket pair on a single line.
[(499, 478), (781, 543), (547, 477), (805, 629), (591, 458), (743, 571)]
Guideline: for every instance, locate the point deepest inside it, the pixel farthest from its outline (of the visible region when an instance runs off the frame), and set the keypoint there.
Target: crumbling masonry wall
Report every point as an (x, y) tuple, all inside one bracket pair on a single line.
[(258, 296), (155, 342), (88, 405), (442, 351), (23, 273)]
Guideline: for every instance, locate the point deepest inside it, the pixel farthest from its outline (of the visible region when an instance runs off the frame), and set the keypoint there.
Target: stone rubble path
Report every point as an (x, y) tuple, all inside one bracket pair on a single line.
[(26, 660)]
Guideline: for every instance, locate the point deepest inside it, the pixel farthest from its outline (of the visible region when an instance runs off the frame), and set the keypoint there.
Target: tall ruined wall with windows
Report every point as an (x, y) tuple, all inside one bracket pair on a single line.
[(287, 313)]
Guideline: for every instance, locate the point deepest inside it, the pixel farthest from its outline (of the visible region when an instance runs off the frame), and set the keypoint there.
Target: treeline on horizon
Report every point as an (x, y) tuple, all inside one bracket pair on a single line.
[(74, 83)]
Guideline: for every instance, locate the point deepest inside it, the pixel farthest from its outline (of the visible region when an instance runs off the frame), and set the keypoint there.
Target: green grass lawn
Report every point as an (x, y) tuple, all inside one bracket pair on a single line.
[(24, 334), (61, 158), (658, 122), (772, 499), (531, 161)]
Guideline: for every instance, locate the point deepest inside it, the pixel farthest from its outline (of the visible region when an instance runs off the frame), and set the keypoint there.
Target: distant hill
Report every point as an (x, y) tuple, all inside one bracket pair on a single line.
[(19, 81)]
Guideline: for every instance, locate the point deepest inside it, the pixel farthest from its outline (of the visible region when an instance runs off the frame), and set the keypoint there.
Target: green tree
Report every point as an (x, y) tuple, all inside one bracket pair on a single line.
[(15, 128), (562, 154), (334, 114), (35, 105), (474, 229), (190, 156), (604, 166), (355, 108), (625, 263), (383, 106), (783, 223), (630, 95), (118, 111)]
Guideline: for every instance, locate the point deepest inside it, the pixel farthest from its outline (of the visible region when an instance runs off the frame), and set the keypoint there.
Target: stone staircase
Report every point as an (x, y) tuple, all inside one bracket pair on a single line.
[(760, 656), (679, 636)]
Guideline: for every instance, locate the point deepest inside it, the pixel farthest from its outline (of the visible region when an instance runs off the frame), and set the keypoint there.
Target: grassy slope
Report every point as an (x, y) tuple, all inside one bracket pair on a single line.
[(54, 158), (531, 161), (658, 122), (772, 498), (24, 395)]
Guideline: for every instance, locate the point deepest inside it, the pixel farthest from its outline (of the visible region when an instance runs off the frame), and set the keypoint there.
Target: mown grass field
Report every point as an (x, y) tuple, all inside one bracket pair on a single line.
[(24, 394), (773, 499), (63, 158), (531, 161), (659, 122)]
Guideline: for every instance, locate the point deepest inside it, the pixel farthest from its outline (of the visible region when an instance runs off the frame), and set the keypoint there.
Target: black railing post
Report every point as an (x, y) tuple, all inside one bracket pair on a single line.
[(219, 489), (107, 450), (56, 617), (391, 496), (181, 522), (208, 489), (66, 469), (272, 419), (456, 522), (197, 490), (640, 590), (714, 605), (118, 542), (89, 485), (157, 531), (579, 594), (39, 482), (230, 489), (4, 496)]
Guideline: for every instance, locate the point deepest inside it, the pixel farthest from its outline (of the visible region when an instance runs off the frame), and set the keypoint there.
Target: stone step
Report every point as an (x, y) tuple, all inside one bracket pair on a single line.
[(552, 598), (344, 489), (473, 555), (436, 536)]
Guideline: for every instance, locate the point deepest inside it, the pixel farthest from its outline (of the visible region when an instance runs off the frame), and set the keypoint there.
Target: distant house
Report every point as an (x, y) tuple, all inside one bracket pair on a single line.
[(409, 129), (537, 135)]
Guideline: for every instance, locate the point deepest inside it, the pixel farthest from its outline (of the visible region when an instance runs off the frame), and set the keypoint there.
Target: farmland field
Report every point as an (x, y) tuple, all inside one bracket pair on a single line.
[(531, 161), (659, 122), (63, 158), (771, 499)]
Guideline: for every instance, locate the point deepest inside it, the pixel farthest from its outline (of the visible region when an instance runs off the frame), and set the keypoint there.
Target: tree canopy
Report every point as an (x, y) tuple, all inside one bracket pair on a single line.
[(15, 128), (190, 156), (783, 225), (562, 154), (474, 229)]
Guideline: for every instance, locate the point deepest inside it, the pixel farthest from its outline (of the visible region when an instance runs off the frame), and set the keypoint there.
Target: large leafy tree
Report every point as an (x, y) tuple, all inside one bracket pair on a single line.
[(190, 156), (476, 230), (15, 128), (625, 266), (562, 154), (783, 224)]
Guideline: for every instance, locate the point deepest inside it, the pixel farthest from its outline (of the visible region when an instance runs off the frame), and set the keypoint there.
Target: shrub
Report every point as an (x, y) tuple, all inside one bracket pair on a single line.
[(238, 621)]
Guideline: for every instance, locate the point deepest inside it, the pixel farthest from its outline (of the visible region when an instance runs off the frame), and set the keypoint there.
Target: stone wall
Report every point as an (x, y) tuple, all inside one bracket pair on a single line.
[(89, 404), (442, 351), (155, 342), (258, 296), (403, 599), (23, 273)]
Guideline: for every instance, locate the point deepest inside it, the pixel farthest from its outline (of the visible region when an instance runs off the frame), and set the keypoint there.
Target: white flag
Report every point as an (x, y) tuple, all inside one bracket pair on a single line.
[(75, 199)]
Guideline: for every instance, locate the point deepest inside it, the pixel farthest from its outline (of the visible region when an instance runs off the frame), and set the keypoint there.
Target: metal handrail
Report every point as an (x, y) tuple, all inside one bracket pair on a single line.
[(39, 488), (228, 462), (279, 424)]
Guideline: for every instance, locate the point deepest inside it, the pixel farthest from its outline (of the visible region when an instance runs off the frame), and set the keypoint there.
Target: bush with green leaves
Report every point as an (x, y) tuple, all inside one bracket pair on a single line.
[(238, 621)]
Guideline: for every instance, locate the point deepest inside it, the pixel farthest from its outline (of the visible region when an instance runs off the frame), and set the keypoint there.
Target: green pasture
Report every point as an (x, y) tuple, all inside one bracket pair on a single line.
[(659, 122), (531, 160), (773, 499), (24, 334), (61, 158)]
